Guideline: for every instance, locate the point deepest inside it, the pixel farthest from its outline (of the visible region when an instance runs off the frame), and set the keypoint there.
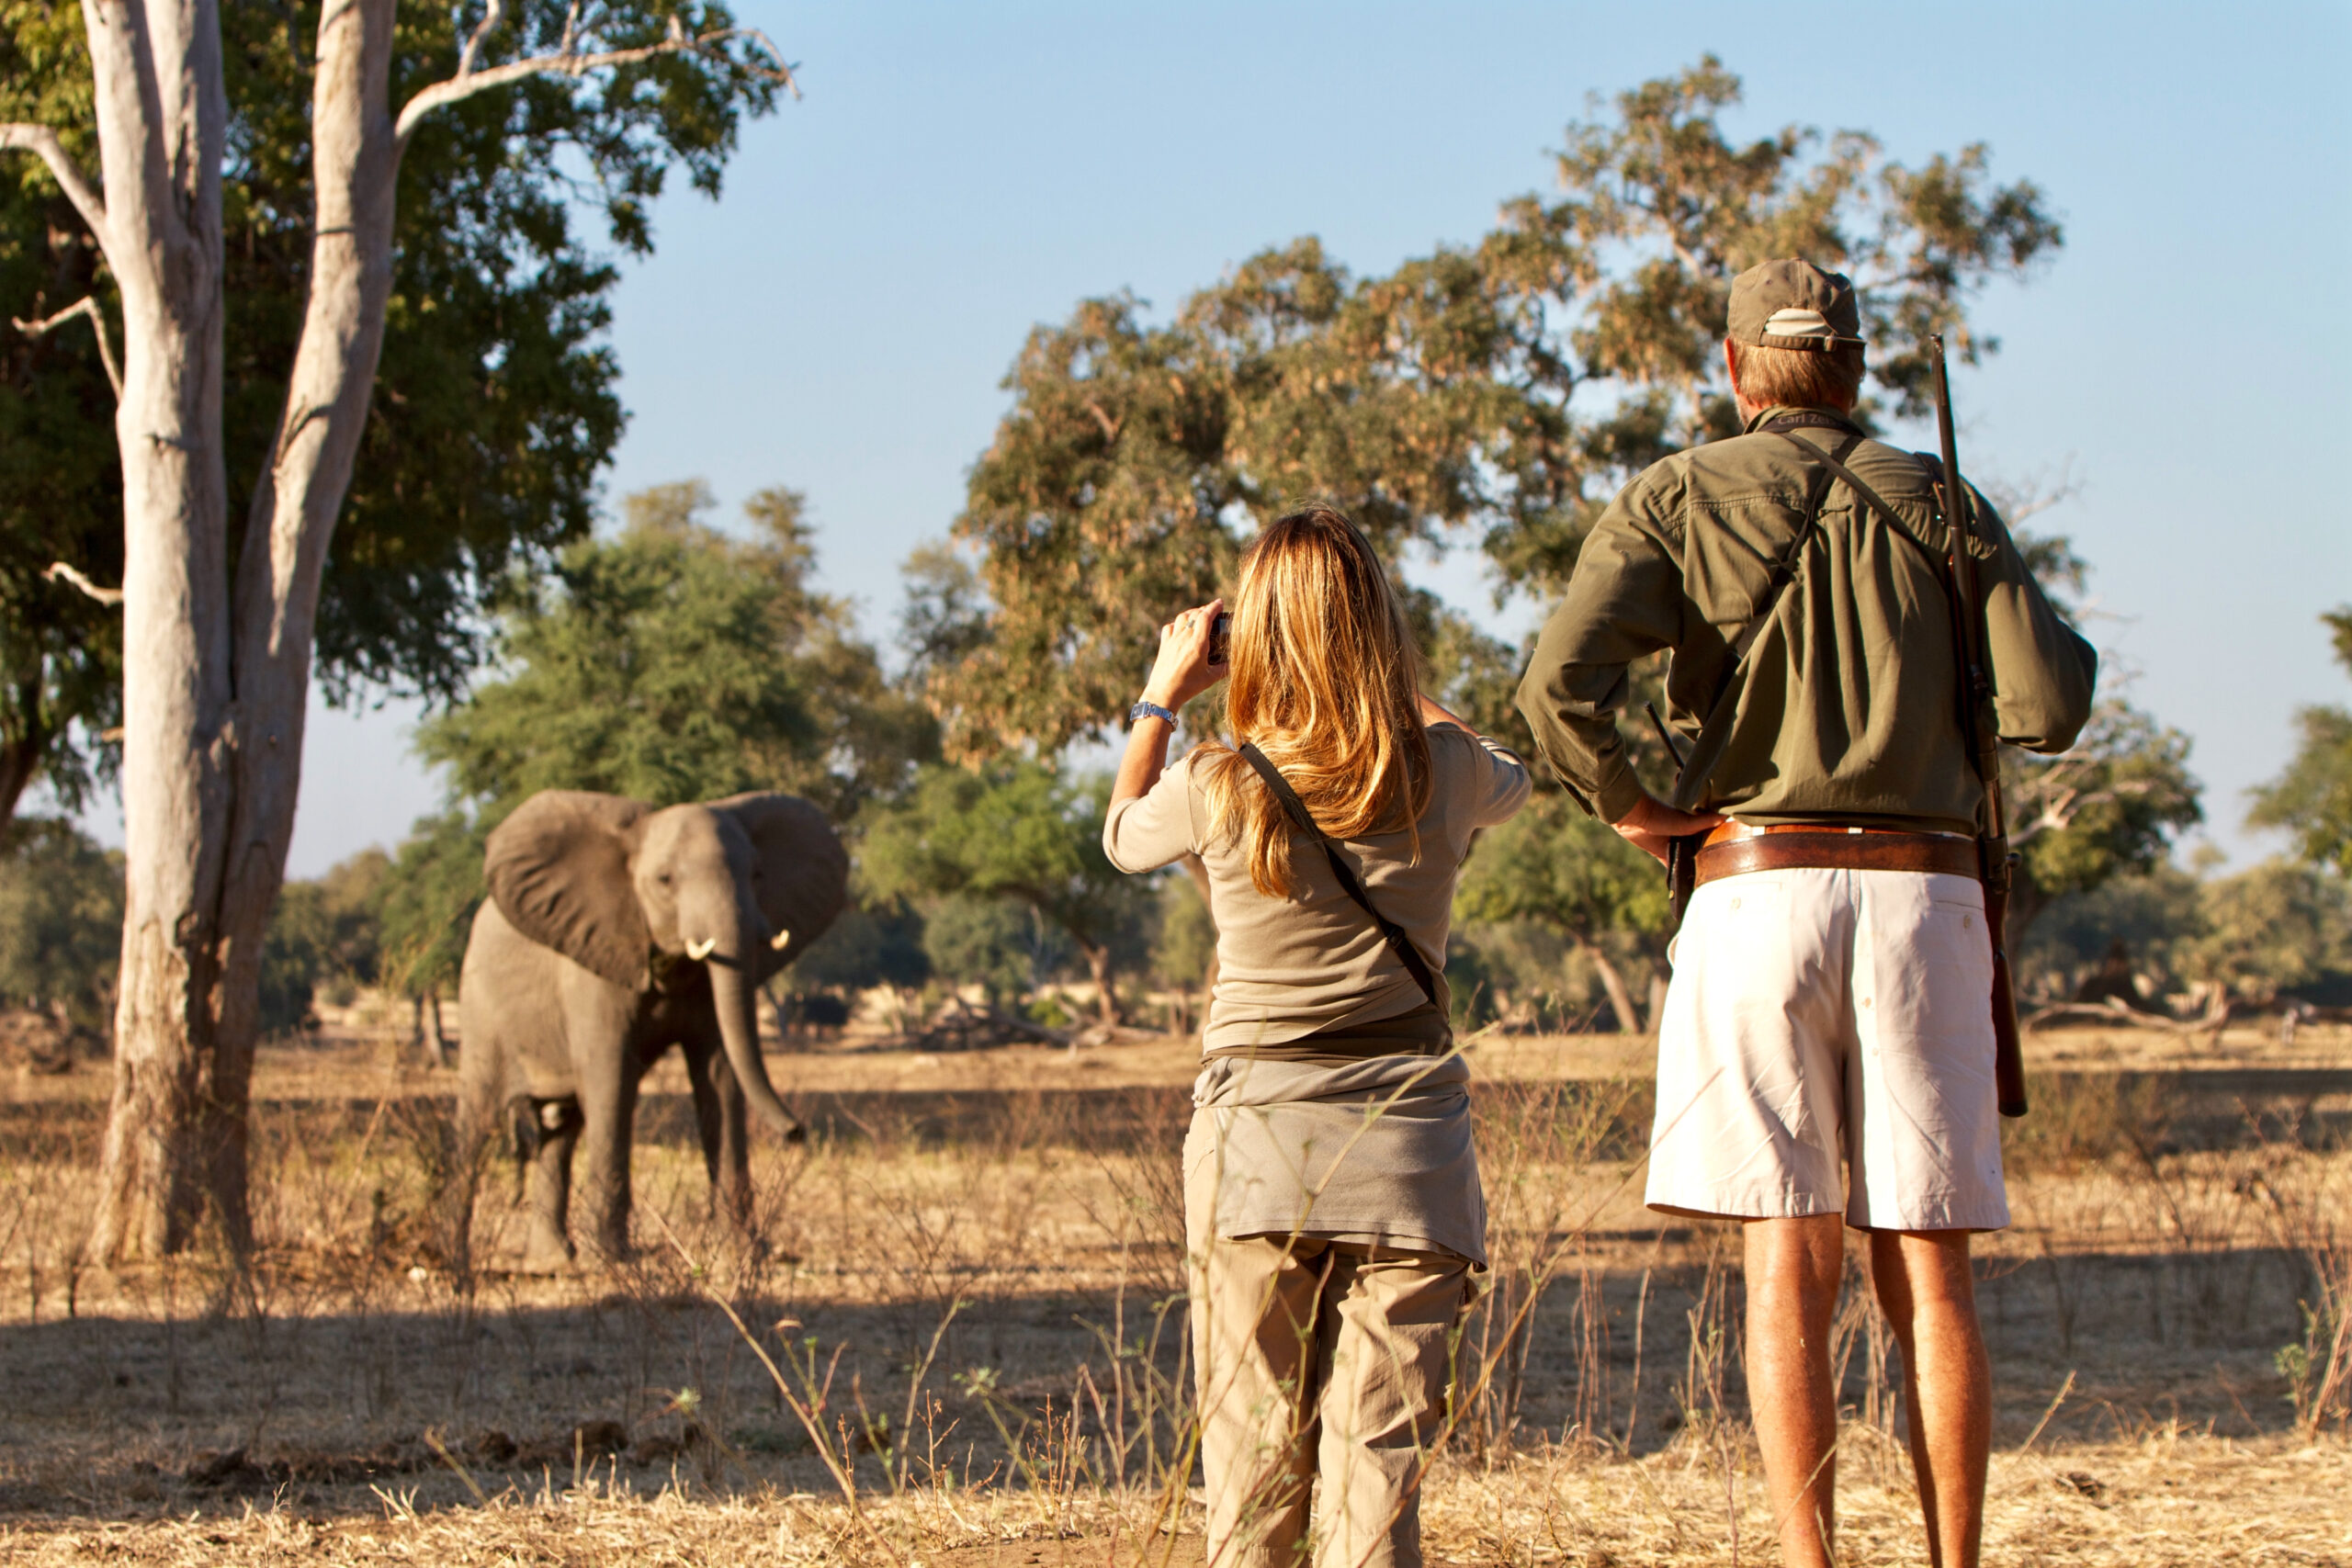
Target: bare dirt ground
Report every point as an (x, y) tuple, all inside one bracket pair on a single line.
[(970, 1284)]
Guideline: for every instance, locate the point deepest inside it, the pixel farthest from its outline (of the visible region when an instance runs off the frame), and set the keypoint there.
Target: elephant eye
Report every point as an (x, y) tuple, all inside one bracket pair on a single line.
[(662, 877)]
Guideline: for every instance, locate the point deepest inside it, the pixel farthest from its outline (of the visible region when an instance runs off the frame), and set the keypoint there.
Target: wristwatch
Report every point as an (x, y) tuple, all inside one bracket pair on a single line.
[(1150, 710)]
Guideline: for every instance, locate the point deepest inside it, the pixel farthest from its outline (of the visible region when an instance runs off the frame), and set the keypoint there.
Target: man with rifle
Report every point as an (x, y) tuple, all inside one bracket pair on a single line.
[(1841, 668)]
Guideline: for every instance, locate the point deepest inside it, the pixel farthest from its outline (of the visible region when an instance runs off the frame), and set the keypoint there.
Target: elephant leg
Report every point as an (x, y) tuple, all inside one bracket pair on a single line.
[(608, 1115), (719, 1117), (548, 1132)]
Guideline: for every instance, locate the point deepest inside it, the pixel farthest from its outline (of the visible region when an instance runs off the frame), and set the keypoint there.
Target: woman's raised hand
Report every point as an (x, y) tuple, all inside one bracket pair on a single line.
[(1183, 671)]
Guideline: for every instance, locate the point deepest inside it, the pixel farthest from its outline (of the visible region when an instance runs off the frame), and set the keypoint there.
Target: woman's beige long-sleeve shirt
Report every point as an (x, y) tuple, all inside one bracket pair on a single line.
[(1290, 967), (1374, 1150)]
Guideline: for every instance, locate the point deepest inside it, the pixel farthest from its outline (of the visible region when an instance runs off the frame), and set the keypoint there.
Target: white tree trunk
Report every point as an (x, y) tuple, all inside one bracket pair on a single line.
[(212, 707), (162, 120), (295, 503), (1612, 982)]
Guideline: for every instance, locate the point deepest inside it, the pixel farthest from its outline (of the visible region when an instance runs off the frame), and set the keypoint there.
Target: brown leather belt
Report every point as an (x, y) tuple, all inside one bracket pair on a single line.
[(1733, 850)]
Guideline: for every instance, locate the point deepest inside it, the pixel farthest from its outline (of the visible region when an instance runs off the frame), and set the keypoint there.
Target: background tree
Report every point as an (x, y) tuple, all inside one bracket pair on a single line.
[(2276, 927), (2313, 797), (61, 922), (61, 487), (324, 931), (675, 663), (2140, 920), (1016, 830), (1556, 865), (875, 943), (2111, 806), (218, 630), (1184, 952), (1001, 945), (424, 912), (1503, 389)]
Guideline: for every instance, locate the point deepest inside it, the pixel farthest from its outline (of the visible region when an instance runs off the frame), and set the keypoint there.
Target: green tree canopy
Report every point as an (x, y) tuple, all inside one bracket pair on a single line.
[(1503, 389), (1186, 944), (323, 930), (494, 406), (675, 663), (60, 484), (882, 945), (2313, 797), (1001, 945), (1014, 831), (1556, 865), (425, 906), (2110, 806), (2271, 928), (60, 921)]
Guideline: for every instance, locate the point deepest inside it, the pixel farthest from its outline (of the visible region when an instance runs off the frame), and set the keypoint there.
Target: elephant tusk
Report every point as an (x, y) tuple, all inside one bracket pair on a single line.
[(698, 951), (779, 940)]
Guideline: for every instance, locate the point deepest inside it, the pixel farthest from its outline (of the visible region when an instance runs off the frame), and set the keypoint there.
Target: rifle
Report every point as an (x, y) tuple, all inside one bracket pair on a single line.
[(1997, 863)]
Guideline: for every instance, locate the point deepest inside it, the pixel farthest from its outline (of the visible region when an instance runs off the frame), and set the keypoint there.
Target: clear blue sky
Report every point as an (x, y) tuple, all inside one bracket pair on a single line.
[(841, 318)]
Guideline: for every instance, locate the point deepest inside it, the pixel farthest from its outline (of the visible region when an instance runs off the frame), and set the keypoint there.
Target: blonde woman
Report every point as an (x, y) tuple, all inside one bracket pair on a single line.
[(1332, 1205)]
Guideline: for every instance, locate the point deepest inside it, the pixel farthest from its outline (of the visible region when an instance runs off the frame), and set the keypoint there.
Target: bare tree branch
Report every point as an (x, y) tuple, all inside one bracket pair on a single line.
[(60, 572), (568, 61), (2050, 800), (490, 20), (2017, 500), (88, 306), (85, 196)]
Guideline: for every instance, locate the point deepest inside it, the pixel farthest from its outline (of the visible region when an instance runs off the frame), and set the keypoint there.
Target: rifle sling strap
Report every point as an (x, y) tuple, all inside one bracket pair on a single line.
[(1296, 809), (1944, 568), (1786, 568)]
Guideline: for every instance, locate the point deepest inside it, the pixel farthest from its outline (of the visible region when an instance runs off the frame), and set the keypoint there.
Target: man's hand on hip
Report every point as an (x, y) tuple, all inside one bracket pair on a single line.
[(1652, 824)]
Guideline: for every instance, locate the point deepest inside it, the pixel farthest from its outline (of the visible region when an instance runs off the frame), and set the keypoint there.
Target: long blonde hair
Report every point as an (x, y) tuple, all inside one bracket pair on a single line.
[(1326, 680)]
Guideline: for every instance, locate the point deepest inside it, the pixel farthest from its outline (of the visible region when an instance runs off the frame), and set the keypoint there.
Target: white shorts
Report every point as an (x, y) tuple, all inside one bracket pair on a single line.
[(1818, 1015)]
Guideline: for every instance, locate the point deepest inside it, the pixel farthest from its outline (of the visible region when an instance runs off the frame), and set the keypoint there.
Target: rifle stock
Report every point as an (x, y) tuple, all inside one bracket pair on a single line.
[(1995, 862), (1681, 851), (2009, 1050)]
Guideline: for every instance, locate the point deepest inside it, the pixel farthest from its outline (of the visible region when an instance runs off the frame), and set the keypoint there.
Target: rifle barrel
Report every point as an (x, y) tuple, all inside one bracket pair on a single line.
[(1984, 745), (1958, 519)]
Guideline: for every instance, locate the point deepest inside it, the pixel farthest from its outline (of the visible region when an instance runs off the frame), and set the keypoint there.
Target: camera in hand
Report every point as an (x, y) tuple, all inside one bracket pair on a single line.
[(1221, 639)]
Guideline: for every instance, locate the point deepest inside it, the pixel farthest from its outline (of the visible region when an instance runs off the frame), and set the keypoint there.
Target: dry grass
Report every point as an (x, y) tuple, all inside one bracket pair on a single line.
[(2163, 1499), (976, 1269)]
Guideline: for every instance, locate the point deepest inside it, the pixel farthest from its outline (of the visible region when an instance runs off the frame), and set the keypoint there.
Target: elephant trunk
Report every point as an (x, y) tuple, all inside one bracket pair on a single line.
[(737, 1002)]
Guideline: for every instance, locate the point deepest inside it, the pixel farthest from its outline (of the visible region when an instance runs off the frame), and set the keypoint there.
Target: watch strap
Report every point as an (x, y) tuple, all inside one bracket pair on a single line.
[(1151, 710)]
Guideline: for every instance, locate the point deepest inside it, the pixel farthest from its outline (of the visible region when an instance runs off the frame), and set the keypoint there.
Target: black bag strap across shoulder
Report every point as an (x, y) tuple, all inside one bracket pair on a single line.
[(1296, 809)]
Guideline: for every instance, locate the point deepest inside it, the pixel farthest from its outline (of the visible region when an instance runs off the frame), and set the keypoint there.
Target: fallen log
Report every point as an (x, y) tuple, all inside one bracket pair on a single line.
[(2112, 1009)]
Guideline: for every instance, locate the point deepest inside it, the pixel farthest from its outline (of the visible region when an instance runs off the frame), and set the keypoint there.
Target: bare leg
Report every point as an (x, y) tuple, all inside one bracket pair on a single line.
[(1929, 1294), (1793, 1266)]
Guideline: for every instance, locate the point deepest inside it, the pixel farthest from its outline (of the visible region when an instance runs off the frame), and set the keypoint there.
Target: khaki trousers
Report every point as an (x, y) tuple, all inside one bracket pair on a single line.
[(1316, 1361)]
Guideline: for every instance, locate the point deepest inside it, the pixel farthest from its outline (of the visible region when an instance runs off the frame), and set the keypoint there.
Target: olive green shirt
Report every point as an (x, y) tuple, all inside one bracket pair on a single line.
[(1848, 705)]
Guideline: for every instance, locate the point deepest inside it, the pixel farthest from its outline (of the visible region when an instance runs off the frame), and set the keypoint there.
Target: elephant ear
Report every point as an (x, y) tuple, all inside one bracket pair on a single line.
[(559, 869), (804, 870)]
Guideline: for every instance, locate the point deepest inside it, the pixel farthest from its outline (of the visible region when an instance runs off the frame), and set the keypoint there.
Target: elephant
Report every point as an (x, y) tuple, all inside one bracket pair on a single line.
[(612, 931)]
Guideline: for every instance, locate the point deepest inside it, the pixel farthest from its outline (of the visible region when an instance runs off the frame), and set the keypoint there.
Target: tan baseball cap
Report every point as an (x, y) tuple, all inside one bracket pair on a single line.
[(1794, 304)]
